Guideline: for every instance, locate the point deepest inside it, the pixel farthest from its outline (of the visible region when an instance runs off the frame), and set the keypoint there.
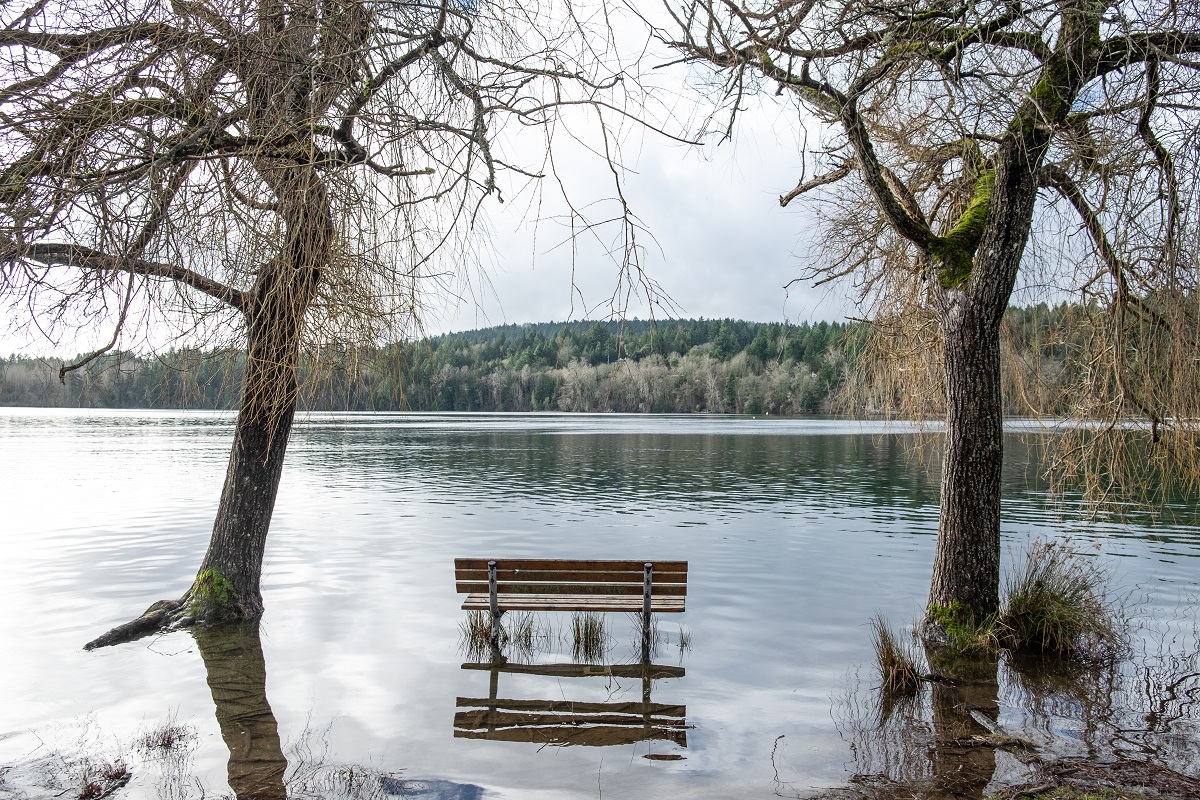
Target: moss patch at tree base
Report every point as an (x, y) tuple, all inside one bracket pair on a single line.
[(213, 598)]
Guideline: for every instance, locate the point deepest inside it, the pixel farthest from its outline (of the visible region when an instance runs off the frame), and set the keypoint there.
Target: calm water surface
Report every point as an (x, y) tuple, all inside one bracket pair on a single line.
[(796, 533)]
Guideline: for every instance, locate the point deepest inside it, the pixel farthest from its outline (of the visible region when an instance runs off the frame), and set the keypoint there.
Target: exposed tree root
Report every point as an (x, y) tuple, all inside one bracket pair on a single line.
[(166, 615), (160, 616)]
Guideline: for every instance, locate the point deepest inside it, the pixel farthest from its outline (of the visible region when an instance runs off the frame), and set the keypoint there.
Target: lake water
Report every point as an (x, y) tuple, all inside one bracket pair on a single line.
[(797, 532)]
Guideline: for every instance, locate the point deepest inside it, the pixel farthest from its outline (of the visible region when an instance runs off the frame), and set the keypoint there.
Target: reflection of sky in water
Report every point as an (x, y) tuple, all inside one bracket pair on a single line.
[(796, 532)]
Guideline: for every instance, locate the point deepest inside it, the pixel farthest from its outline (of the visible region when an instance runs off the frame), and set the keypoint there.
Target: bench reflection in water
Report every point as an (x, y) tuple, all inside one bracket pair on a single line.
[(568, 722)]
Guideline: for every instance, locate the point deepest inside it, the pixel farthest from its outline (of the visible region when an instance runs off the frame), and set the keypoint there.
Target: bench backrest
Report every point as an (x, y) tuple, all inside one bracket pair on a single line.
[(549, 576)]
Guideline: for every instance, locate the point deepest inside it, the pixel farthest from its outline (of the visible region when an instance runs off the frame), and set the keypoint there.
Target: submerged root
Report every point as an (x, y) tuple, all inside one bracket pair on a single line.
[(210, 599), (158, 617)]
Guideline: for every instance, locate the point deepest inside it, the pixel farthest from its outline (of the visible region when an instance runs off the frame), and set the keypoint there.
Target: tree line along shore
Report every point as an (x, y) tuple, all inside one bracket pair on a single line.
[(674, 366)]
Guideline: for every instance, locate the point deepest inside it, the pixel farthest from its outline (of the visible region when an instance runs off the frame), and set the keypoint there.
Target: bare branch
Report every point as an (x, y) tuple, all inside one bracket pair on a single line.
[(69, 255), (832, 176)]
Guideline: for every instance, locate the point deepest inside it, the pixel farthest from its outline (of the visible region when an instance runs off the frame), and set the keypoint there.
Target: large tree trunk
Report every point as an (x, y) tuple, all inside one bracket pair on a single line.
[(227, 583), (966, 569), (279, 83), (226, 586)]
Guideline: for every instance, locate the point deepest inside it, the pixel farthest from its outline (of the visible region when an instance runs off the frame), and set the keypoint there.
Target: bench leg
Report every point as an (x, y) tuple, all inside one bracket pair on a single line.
[(494, 605), (496, 637), (647, 577)]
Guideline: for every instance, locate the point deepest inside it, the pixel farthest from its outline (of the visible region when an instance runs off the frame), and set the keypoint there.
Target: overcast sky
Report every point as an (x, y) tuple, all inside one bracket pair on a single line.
[(716, 242)]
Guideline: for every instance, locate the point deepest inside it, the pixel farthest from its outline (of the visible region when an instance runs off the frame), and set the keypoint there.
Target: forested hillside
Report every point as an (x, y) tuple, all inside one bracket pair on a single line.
[(675, 366)]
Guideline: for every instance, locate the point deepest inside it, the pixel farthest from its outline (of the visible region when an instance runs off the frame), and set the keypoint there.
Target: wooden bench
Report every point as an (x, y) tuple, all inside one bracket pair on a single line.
[(554, 584), (551, 584)]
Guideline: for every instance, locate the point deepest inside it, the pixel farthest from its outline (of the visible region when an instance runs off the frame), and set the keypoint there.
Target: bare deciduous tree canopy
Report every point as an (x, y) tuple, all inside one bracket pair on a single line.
[(295, 167), (951, 135)]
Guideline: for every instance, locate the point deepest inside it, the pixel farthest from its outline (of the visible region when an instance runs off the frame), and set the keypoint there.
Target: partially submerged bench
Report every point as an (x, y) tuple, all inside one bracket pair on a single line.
[(555, 584)]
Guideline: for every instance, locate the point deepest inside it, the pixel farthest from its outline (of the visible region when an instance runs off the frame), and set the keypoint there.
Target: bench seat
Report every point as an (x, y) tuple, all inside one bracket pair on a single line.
[(479, 601)]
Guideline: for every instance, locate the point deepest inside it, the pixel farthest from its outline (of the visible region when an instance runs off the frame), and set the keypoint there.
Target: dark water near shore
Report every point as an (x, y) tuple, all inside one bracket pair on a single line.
[(796, 531)]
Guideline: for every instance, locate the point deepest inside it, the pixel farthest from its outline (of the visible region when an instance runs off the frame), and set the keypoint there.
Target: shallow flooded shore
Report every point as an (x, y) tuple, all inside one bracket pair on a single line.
[(796, 532)]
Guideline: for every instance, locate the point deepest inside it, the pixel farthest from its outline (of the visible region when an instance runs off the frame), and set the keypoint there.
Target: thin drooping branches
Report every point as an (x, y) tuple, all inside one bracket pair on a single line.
[(300, 173), (954, 137), (951, 135), (152, 138)]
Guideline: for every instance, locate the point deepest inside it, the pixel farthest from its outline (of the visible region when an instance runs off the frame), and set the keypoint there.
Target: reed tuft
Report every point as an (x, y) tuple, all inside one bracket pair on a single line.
[(1058, 601), (589, 636), (897, 660)]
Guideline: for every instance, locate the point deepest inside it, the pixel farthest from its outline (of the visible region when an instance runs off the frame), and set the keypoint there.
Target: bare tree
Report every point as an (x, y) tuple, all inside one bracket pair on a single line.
[(944, 129), (288, 169)]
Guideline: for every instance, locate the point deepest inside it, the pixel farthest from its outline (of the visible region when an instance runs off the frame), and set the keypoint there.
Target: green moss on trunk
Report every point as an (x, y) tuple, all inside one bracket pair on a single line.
[(969, 630), (956, 250), (213, 597)]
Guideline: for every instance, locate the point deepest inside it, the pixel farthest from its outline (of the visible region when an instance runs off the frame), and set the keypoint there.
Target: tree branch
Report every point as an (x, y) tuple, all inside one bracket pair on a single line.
[(69, 255), (344, 133), (1122, 51), (1057, 177), (821, 180)]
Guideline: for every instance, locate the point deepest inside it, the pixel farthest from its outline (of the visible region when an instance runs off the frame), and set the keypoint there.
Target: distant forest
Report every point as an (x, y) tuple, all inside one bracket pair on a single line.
[(673, 366)]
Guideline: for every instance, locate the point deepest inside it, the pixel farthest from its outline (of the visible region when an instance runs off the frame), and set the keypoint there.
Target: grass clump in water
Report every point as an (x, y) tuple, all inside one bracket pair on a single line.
[(1058, 601), (897, 661), (589, 636), (164, 738), (475, 635), (524, 633), (685, 640), (104, 778)]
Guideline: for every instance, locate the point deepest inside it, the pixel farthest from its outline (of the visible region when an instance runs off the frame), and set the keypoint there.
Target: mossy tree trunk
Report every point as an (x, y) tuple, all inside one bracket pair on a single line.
[(227, 585), (944, 124), (970, 284)]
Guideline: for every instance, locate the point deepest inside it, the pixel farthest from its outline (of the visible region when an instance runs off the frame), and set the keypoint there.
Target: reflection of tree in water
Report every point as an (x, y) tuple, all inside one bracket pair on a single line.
[(258, 770), (964, 714), (1145, 708), (237, 677), (1136, 721), (938, 741)]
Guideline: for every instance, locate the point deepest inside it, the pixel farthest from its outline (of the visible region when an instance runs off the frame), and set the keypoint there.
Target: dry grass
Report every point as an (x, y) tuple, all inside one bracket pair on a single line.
[(166, 737), (103, 778), (896, 659), (475, 635), (1058, 600), (520, 632), (525, 634)]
